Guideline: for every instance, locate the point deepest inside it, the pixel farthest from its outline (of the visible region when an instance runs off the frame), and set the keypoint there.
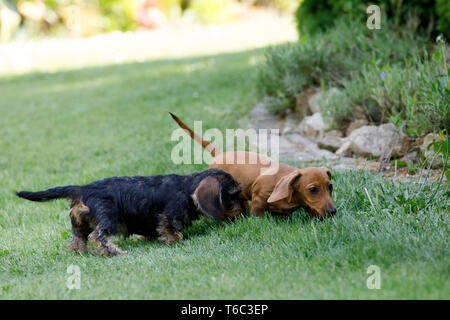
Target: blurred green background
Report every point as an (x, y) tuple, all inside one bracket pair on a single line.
[(80, 18), (433, 16), (33, 18)]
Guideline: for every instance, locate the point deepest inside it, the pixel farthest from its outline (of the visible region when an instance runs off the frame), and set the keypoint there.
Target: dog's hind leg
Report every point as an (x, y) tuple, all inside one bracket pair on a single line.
[(79, 240), (104, 222), (167, 233), (80, 227), (105, 246)]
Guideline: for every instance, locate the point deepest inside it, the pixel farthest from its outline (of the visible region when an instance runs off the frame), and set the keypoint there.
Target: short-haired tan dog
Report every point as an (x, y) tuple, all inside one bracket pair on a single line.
[(282, 192)]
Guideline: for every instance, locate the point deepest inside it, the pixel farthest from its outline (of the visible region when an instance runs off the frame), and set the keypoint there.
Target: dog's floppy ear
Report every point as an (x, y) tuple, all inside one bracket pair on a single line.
[(328, 171), (283, 189), (208, 198)]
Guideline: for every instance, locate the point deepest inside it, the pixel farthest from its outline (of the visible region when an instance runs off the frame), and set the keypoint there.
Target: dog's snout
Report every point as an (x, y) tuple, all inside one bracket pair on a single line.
[(331, 211)]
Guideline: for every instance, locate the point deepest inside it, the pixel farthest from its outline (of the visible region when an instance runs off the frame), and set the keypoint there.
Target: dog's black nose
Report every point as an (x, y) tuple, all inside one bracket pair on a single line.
[(332, 211)]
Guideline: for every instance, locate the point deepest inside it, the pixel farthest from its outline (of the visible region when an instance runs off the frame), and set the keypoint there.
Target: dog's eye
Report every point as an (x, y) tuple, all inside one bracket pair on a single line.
[(330, 187), (313, 190)]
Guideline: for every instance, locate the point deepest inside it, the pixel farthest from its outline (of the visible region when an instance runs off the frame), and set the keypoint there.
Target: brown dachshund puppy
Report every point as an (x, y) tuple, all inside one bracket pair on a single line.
[(281, 191)]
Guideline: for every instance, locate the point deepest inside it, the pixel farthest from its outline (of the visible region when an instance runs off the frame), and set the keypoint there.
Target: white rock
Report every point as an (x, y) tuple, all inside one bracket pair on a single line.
[(356, 124), (331, 140), (315, 100), (374, 141), (427, 150), (312, 126), (306, 149)]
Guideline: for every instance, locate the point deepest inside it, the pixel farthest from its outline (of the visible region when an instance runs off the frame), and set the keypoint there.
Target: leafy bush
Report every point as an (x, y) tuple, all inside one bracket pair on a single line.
[(328, 59), (434, 91), (313, 16), (388, 75), (414, 96), (318, 15), (443, 12), (119, 14)]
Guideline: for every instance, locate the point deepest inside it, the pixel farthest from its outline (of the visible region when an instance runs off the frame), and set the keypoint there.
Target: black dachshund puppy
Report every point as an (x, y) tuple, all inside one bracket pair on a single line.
[(153, 207)]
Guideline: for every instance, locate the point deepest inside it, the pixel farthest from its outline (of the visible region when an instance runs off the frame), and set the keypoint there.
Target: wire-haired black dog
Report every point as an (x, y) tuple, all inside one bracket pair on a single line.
[(153, 207)]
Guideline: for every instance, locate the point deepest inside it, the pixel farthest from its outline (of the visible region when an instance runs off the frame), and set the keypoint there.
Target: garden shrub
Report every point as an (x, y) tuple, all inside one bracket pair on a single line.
[(389, 75), (314, 16), (329, 58), (443, 12), (414, 96), (318, 15)]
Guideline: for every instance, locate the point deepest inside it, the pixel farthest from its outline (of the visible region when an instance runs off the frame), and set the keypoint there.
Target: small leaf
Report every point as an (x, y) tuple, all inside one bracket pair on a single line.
[(437, 56), (65, 235), (441, 146), (399, 163)]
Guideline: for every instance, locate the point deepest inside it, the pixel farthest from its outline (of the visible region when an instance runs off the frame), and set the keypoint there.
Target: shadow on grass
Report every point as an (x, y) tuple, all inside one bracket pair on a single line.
[(89, 79), (199, 228), (206, 226)]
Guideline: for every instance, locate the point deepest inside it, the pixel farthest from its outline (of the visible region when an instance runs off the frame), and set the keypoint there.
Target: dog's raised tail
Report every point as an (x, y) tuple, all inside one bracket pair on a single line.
[(70, 192), (205, 144)]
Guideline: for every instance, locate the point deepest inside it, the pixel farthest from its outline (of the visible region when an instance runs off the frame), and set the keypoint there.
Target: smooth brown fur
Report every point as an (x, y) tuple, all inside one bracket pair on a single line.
[(281, 192)]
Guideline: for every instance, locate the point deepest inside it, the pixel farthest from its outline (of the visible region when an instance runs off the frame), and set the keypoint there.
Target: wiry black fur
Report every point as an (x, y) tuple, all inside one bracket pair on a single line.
[(141, 205), (70, 192)]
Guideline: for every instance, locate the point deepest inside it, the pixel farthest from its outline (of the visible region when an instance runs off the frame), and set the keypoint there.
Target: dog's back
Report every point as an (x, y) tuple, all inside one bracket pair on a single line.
[(247, 167)]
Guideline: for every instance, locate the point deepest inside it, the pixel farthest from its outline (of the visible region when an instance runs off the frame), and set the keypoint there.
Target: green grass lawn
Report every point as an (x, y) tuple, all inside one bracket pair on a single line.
[(73, 127)]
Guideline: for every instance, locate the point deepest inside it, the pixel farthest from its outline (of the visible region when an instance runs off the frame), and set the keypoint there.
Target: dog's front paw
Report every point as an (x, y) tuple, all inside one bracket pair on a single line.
[(77, 245), (170, 237), (111, 252)]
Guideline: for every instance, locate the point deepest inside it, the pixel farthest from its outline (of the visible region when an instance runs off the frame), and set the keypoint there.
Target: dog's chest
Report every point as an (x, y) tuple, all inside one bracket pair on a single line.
[(283, 207), (183, 219)]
